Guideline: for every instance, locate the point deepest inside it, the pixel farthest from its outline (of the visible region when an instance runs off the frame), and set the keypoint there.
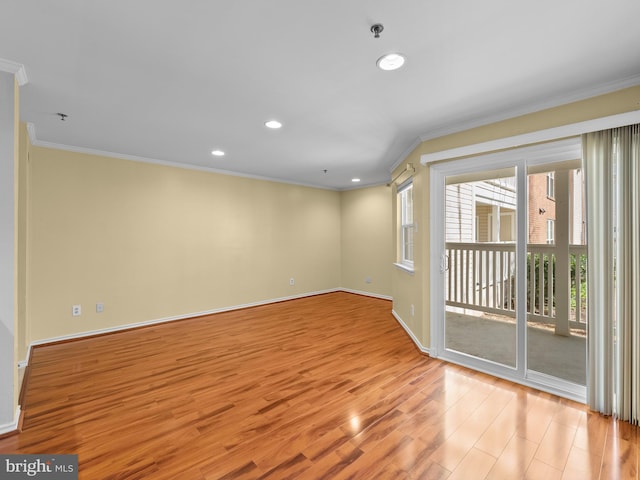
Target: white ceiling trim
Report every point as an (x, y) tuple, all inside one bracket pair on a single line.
[(17, 69), (576, 96), (406, 153), (547, 135), (133, 158), (31, 131)]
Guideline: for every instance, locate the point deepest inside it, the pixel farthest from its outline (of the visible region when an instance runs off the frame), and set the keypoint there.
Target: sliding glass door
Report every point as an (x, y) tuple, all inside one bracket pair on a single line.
[(507, 254)]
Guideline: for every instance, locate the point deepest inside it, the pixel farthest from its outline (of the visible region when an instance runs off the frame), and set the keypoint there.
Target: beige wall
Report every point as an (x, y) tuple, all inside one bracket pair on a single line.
[(414, 289), (367, 240), (153, 241), (407, 286)]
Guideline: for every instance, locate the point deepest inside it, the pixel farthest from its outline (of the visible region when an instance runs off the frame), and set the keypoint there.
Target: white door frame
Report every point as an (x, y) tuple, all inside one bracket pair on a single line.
[(521, 158)]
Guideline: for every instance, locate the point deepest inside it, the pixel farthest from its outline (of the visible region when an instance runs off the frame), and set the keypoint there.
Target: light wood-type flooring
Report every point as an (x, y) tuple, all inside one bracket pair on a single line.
[(324, 387)]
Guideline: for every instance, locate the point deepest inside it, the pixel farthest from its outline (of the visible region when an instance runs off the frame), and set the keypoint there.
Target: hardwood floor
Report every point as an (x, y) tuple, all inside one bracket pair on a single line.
[(325, 387)]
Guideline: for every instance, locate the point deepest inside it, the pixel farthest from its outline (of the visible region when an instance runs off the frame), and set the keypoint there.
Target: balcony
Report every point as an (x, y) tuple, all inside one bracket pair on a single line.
[(481, 277)]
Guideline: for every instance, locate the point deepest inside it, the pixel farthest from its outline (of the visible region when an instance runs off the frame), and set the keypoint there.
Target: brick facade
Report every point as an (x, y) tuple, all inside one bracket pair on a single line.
[(541, 208)]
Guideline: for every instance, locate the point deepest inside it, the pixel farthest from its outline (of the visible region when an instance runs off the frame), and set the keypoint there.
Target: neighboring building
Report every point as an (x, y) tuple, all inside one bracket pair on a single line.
[(485, 211)]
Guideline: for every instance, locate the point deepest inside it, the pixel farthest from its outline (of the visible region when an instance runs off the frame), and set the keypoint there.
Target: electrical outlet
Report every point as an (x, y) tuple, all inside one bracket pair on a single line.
[(413, 311), (367, 280), (292, 281), (76, 310), (99, 307)]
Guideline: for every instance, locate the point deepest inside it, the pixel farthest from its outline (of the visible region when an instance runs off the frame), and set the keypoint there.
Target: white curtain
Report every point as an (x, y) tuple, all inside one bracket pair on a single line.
[(612, 171)]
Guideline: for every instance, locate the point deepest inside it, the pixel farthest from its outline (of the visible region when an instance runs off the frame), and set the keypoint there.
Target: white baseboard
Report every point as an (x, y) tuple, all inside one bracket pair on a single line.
[(13, 426), (366, 294), (145, 323), (421, 347)]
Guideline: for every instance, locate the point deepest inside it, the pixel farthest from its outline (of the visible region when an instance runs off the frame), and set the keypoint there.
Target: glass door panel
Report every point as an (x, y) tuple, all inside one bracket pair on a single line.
[(556, 273), (480, 258)]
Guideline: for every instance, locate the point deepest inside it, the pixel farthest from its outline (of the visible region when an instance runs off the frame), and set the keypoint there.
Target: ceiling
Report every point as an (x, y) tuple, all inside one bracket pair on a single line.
[(170, 81)]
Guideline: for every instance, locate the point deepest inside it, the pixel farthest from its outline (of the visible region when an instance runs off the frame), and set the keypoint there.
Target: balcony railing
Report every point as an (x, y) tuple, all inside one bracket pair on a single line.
[(481, 276)]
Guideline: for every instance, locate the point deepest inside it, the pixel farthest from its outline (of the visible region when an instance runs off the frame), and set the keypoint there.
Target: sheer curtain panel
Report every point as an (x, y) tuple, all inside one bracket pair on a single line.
[(612, 171)]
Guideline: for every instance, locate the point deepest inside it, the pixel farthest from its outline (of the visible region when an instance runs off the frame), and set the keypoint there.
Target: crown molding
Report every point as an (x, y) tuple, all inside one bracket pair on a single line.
[(31, 129), (17, 69), (547, 135), (552, 102), (405, 154), (457, 127)]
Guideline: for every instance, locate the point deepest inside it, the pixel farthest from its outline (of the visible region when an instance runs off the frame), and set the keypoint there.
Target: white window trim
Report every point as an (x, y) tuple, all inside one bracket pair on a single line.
[(405, 268), (551, 185), (403, 263), (551, 232)]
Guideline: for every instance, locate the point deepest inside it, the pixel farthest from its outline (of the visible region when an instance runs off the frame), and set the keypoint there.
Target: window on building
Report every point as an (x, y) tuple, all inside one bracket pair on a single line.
[(551, 185), (405, 203), (551, 231)]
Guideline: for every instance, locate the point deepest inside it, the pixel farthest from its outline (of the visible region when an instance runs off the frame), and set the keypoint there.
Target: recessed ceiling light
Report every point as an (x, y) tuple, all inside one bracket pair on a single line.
[(391, 61), (274, 124), (217, 153), (355, 180)]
